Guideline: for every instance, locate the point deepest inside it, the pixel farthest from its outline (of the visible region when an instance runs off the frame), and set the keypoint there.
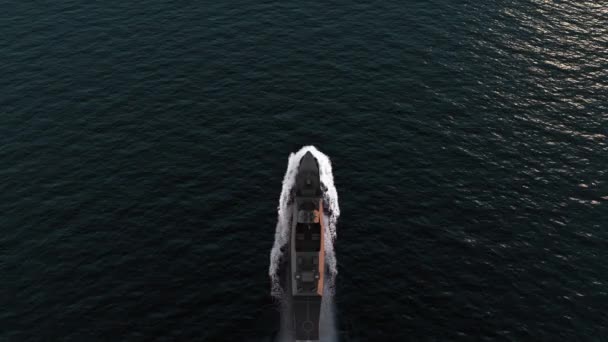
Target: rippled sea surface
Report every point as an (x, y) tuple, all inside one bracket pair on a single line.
[(143, 144)]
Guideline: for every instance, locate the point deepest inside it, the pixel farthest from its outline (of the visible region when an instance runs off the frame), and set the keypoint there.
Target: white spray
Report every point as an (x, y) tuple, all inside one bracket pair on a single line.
[(330, 197)]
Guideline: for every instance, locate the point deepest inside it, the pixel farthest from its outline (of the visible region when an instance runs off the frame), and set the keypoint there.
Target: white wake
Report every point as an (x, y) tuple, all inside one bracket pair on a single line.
[(330, 197)]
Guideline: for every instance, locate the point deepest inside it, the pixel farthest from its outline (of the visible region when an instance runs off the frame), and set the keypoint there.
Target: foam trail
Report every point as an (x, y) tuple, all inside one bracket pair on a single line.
[(330, 218)]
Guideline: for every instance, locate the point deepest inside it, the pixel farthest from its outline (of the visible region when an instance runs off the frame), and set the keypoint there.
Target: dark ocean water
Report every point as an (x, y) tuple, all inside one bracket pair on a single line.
[(143, 145)]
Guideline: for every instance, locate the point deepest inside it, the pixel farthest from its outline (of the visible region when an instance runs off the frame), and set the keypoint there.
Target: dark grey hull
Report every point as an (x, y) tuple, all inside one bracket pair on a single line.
[(302, 275)]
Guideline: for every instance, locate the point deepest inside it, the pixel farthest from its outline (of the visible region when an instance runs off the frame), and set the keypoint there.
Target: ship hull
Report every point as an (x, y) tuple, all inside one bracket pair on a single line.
[(303, 269)]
